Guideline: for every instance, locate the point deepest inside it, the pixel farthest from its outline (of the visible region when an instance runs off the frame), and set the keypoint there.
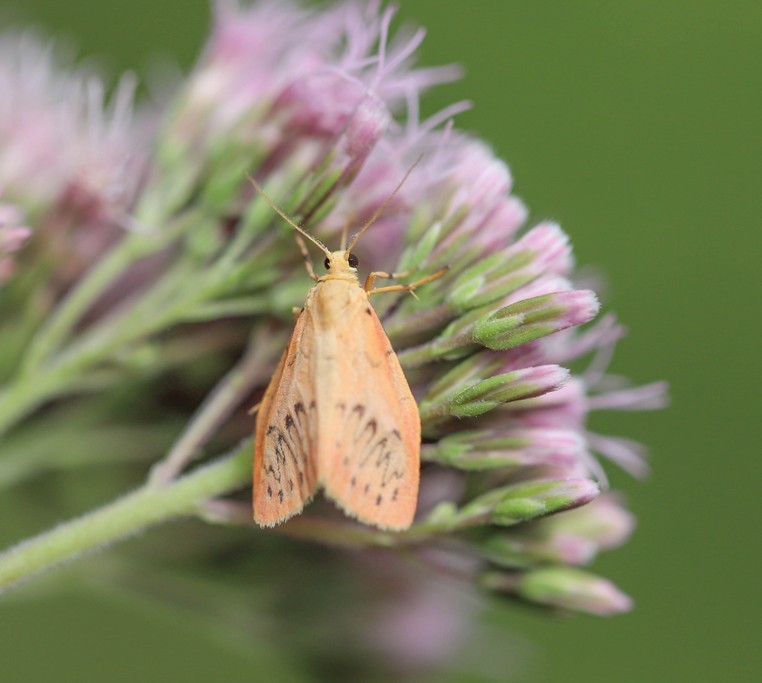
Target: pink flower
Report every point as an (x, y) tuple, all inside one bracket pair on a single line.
[(59, 139), (275, 73), (424, 620), (577, 536), (574, 590)]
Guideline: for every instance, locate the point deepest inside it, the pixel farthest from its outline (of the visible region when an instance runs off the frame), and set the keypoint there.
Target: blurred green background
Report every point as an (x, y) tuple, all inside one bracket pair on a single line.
[(637, 126)]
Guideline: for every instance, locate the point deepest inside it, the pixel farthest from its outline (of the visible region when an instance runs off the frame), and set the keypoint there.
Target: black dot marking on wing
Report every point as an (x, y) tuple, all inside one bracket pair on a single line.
[(395, 432), (368, 311), (378, 500), (353, 482), (394, 493), (366, 489), (290, 485), (280, 495), (269, 490)]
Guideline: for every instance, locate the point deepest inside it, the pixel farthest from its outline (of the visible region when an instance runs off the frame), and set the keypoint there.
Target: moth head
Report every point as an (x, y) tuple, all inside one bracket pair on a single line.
[(341, 261)]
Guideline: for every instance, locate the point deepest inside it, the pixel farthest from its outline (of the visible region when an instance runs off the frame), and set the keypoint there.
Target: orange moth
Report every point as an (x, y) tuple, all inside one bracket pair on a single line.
[(338, 413)]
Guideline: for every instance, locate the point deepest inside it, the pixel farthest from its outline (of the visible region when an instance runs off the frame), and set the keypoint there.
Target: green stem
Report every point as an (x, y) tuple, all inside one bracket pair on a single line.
[(64, 372), (343, 533), (217, 406), (35, 451), (353, 535), (416, 356), (136, 511), (21, 397), (79, 300), (131, 248)]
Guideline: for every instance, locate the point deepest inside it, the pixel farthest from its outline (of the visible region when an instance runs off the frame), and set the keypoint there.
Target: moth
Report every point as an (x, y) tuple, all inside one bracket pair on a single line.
[(338, 413)]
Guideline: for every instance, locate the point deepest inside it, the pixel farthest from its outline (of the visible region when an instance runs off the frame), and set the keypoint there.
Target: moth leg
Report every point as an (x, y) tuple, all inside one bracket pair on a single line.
[(371, 279), (306, 254), (255, 408), (402, 288)]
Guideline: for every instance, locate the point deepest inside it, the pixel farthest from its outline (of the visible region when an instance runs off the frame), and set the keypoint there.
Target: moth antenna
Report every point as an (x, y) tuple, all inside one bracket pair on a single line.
[(286, 218), (381, 208), (344, 232)]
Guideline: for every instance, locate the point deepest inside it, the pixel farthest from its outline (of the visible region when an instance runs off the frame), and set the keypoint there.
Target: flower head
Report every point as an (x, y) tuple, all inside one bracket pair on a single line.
[(504, 353), (485, 347), (286, 83), (329, 124), (71, 158), (59, 140)]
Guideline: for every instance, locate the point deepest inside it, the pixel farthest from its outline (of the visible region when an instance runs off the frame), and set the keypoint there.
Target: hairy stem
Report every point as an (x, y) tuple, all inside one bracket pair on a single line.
[(222, 400), (136, 511), (19, 398), (77, 303), (104, 273)]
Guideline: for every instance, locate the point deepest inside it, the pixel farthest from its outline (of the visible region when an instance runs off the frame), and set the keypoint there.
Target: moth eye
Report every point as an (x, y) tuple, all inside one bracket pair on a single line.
[(353, 261), (327, 264)]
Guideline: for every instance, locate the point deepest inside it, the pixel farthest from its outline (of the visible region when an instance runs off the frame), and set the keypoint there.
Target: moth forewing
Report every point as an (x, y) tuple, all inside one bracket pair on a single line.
[(285, 469), (369, 428)]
